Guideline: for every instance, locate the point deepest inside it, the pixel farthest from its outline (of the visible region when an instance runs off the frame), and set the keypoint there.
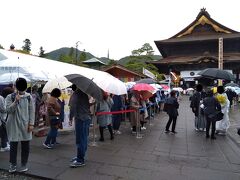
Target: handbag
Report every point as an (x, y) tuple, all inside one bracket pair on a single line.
[(217, 116), (55, 120), (166, 107)]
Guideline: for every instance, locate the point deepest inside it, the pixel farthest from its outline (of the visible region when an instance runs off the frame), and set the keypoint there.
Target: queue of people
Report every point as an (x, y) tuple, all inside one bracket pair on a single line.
[(16, 105)]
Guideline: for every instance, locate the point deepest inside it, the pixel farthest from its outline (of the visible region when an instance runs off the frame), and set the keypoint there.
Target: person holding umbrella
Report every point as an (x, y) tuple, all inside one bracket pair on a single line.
[(80, 112)]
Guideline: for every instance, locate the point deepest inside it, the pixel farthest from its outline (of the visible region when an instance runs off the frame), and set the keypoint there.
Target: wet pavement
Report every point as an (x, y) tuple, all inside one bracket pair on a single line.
[(187, 155)]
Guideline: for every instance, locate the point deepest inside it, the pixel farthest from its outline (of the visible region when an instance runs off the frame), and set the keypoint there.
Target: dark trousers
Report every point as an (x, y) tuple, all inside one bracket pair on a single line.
[(25, 148), (173, 120), (213, 123), (82, 131), (101, 129), (116, 119), (3, 136), (52, 135)]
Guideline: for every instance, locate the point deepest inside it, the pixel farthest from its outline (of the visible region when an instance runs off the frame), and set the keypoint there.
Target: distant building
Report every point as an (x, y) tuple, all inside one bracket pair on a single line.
[(123, 73), (196, 47), (95, 63)]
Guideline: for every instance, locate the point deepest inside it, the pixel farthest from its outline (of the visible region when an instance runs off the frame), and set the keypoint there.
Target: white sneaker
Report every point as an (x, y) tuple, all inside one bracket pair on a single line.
[(143, 128), (118, 132), (5, 149)]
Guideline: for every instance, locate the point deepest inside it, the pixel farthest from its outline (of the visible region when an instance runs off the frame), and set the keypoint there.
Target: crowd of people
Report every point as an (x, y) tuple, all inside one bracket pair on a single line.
[(205, 104), (21, 110)]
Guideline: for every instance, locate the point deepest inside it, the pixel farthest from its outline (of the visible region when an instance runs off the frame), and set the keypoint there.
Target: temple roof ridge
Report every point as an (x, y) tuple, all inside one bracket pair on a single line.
[(202, 25)]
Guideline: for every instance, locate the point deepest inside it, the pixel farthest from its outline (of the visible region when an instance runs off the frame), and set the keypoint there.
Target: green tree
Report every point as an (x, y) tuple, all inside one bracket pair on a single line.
[(27, 46), (83, 56), (12, 47), (145, 49), (41, 52), (137, 63), (65, 58)]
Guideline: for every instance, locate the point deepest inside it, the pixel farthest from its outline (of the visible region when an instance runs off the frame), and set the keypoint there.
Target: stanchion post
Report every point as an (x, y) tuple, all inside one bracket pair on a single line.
[(94, 143), (150, 114), (125, 115), (138, 128)]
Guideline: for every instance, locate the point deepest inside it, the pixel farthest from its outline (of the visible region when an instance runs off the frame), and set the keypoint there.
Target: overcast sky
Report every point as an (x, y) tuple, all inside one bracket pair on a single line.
[(118, 25)]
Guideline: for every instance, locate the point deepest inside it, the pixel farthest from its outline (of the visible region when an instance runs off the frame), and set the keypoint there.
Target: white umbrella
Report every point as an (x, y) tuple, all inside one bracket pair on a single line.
[(9, 78), (129, 85), (156, 86), (178, 89), (60, 83), (189, 89)]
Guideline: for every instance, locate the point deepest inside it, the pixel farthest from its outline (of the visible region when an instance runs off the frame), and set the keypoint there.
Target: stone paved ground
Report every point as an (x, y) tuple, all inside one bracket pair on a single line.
[(184, 156)]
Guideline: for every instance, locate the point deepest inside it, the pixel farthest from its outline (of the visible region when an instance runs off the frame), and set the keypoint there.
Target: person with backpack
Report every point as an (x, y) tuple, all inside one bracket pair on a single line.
[(20, 124)]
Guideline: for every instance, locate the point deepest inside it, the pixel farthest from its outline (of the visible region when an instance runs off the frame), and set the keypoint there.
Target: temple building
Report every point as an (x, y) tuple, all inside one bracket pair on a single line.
[(123, 73), (196, 47)]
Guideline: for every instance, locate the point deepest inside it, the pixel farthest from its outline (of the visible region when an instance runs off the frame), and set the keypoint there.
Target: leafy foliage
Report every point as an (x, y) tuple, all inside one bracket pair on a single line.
[(65, 51), (12, 47), (146, 49), (41, 52), (22, 51), (83, 57), (27, 46)]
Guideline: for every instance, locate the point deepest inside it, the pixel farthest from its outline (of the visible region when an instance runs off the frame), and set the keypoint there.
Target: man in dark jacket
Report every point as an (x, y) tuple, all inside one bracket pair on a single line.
[(211, 105), (80, 111), (172, 106)]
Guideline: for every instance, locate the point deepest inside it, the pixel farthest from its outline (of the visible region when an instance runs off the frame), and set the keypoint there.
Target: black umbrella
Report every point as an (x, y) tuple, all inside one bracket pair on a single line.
[(146, 81), (232, 84), (86, 85), (214, 73)]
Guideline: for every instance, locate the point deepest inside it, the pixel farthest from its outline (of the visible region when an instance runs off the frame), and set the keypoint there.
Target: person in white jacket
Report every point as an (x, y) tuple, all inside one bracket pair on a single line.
[(223, 125)]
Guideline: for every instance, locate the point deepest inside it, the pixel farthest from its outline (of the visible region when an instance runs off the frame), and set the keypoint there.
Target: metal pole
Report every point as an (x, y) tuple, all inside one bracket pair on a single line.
[(76, 51), (138, 136), (220, 57), (94, 143)]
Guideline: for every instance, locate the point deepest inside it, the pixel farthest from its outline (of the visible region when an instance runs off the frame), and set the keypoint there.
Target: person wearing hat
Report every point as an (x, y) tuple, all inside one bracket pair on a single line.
[(20, 123)]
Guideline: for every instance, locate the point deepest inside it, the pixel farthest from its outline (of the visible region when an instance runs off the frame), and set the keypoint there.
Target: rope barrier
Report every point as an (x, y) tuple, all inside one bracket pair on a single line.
[(115, 112)]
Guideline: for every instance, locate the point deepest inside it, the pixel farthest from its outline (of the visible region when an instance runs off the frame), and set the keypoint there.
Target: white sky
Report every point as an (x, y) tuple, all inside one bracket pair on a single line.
[(118, 25)]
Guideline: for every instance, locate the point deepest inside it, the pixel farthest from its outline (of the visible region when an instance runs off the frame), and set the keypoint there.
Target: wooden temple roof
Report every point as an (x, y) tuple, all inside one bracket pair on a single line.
[(198, 42), (197, 26)]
